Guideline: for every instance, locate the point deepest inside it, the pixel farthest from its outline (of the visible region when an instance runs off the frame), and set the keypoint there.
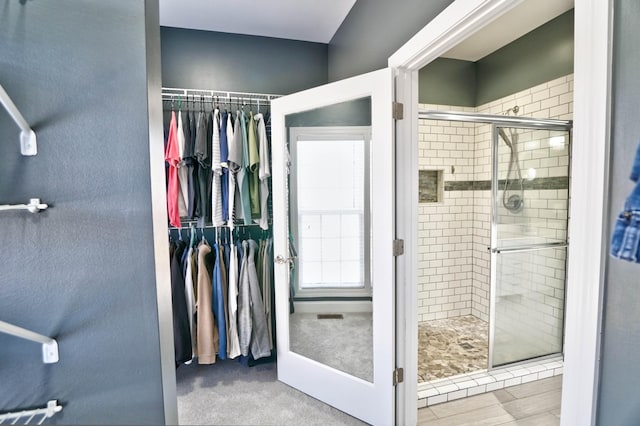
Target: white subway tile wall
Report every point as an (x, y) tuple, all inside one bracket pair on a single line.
[(454, 234)]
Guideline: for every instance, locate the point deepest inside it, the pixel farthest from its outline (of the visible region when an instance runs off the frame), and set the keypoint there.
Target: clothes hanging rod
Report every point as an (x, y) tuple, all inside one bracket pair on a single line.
[(49, 345), (174, 92), (18, 416), (34, 206), (28, 145), (237, 225)]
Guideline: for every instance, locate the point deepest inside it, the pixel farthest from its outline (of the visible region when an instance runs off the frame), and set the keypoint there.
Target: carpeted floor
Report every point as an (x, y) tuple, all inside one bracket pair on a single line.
[(228, 393), (344, 343), (451, 346)]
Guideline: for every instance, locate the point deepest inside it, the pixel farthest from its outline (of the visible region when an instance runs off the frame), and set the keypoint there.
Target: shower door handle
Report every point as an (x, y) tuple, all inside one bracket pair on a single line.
[(527, 248)]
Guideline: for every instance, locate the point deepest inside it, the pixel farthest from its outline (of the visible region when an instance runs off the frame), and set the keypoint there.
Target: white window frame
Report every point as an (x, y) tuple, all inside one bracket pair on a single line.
[(334, 133)]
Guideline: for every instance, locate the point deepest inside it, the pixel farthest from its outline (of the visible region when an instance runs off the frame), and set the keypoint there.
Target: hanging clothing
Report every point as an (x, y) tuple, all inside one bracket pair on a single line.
[(244, 301), (192, 164), (224, 154), (206, 327), (243, 174), (259, 334), (216, 167), (234, 162), (181, 330), (190, 298), (202, 151), (224, 161), (264, 172), (233, 344), (252, 324), (183, 176), (224, 285), (172, 157), (254, 162), (625, 238), (217, 303), (267, 285)]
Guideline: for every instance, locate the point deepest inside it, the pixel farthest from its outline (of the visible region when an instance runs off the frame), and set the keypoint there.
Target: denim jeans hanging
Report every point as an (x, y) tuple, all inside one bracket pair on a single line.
[(625, 240)]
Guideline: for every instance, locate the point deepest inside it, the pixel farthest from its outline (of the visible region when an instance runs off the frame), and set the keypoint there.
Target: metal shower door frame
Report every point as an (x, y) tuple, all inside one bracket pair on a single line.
[(521, 123)]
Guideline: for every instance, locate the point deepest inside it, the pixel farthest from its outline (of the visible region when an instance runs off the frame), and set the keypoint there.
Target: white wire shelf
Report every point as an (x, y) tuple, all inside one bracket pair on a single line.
[(38, 415)]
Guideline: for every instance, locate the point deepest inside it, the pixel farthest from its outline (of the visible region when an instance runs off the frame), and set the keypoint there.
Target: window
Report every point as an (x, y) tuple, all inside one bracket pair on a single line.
[(329, 210)]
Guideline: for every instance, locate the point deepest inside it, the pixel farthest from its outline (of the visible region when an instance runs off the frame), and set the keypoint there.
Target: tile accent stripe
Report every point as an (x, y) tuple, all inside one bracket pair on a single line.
[(561, 182)]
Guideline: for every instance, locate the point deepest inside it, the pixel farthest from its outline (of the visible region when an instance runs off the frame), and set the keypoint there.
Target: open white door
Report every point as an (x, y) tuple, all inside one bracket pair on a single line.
[(333, 180)]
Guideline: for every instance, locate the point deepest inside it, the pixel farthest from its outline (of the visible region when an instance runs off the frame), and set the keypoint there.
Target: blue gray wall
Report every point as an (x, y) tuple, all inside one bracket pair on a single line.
[(83, 270), (448, 82), (213, 60), (619, 402), (375, 29), (544, 54)]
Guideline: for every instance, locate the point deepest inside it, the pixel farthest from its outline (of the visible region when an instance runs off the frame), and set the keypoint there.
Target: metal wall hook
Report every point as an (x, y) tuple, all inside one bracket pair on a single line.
[(28, 145), (34, 206)]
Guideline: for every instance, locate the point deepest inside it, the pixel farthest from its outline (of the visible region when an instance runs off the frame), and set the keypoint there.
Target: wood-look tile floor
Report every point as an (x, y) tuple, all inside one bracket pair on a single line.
[(531, 404)]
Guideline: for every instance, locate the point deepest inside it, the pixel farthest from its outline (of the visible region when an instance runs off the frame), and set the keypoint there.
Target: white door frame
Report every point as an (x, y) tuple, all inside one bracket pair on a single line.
[(592, 65)]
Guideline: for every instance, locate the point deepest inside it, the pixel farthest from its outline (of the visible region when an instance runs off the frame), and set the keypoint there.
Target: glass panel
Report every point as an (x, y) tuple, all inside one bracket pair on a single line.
[(533, 183), (329, 213), (331, 201), (529, 304)]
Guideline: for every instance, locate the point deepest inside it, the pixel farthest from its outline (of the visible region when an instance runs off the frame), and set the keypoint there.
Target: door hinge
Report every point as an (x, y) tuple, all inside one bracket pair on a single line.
[(398, 111), (398, 376), (398, 247)]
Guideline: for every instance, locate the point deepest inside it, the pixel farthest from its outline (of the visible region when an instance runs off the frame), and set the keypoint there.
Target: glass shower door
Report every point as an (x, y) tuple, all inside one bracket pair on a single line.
[(530, 194)]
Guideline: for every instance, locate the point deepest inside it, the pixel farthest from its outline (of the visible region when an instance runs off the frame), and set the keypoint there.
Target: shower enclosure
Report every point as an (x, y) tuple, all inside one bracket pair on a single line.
[(517, 191)]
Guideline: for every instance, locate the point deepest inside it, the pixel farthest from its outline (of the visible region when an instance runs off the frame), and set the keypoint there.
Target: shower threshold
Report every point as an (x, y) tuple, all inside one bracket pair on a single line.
[(469, 384)]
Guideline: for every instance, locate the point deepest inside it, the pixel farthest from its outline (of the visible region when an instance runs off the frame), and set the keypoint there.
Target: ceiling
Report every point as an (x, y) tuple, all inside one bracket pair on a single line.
[(520, 20), (318, 21), (307, 20)]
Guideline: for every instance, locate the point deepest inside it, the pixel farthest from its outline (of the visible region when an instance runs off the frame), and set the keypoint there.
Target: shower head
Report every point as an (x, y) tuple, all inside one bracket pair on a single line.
[(513, 109)]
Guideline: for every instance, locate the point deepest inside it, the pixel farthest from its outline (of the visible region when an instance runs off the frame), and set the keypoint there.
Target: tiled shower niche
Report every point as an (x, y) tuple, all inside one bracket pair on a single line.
[(430, 186)]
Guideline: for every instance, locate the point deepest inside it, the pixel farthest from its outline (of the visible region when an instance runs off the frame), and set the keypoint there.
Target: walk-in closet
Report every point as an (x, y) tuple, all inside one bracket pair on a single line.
[(218, 180)]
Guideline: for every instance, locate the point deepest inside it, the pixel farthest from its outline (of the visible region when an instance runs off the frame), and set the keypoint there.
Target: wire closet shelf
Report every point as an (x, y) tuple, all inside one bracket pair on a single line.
[(225, 96), (38, 415)]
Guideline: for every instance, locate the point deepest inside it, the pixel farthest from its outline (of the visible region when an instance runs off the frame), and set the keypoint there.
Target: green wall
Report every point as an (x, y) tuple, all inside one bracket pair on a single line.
[(619, 394), (448, 82), (373, 30), (543, 54)]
